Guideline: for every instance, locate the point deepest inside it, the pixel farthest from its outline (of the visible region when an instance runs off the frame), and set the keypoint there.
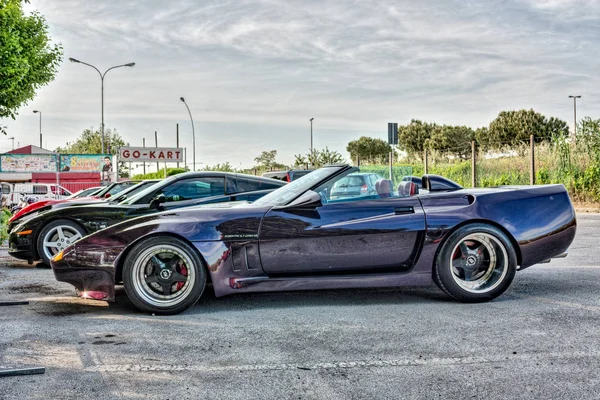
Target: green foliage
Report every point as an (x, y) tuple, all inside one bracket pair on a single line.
[(90, 142), (513, 127), (28, 60), (447, 140), (413, 137), (4, 217), (318, 158), (300, 161), (588, 136), (266, 159), (453, 140), (225, 167), (369, 150), (159, 174), (398, 171)]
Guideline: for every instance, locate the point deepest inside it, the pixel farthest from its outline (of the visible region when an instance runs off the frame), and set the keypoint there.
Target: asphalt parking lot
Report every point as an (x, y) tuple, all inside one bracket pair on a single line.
[(541, 339)]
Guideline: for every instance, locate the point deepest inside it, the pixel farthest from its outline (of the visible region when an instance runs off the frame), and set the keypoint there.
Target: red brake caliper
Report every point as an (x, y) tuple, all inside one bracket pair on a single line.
[(182, 271)]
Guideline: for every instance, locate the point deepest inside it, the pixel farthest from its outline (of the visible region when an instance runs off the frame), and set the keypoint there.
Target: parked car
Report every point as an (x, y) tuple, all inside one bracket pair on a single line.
[(356, 184), (85, 192), (287, 175), (48, 232), (115, 189), (470, 242), (12, 193)]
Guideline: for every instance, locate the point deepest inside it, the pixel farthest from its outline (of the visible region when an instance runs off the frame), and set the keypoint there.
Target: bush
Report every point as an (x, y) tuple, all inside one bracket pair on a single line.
[(159, 174)]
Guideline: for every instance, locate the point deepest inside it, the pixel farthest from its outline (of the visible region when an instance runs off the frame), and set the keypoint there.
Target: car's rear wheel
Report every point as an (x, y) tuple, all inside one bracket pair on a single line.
[(163, 275), (476, 263), (56, 236)]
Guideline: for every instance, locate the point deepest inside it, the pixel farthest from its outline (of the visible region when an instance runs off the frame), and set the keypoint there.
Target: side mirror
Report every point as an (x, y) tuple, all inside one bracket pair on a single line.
[(157, 201), (308, 201)]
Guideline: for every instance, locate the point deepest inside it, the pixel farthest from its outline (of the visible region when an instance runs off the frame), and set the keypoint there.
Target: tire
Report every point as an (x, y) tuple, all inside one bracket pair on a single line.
[(56, 236), (163, 275), (476, 263)]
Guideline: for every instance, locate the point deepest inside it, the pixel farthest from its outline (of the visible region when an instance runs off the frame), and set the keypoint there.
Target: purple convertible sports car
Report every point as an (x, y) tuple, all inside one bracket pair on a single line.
[(470, 242)]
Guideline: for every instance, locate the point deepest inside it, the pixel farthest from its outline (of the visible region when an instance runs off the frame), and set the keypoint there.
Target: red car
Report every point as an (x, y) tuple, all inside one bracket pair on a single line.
[(105, 193)]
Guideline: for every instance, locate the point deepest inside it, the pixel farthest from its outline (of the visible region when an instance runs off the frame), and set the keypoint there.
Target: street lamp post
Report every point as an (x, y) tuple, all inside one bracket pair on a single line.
[(35, 112), (102, 75), (13, 142), (193, 136), (574, 116), (311, 136)]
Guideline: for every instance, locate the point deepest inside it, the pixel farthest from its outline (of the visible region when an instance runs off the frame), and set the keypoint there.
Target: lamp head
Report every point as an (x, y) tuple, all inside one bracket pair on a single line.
[(182, 99), (36, 111), (74, 60), (311, 119), (131, 64)]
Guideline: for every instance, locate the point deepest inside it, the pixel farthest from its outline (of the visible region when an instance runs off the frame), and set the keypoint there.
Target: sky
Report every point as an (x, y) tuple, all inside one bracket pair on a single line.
[(254, 72)]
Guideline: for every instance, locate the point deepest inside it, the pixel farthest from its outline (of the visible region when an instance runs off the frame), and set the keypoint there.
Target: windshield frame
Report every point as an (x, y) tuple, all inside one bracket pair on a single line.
[(296, 188)]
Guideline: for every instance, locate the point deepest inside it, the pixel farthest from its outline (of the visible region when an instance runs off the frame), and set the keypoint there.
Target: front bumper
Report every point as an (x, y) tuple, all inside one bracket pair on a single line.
[(90, 269), (21, 247)]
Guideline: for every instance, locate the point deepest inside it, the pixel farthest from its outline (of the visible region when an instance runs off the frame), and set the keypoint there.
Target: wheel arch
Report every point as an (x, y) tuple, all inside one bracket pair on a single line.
[(38, 231), (123, 256), (510, 237)]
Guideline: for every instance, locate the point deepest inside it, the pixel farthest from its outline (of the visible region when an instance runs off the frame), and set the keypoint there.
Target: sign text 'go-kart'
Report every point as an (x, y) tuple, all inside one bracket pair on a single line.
[(153, 154)]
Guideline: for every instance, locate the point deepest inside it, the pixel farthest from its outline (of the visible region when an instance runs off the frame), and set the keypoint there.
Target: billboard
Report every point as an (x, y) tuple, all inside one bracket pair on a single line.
[(82, 162), (28, 163), (152, 154)]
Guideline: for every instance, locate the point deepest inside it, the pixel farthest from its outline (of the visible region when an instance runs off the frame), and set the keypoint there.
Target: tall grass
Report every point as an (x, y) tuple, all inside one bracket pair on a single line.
[(559, 162)]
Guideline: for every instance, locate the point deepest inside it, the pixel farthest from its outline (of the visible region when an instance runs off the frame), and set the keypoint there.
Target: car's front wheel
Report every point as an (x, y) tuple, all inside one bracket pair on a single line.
[(163, 275), (476, 263), (56, 236)]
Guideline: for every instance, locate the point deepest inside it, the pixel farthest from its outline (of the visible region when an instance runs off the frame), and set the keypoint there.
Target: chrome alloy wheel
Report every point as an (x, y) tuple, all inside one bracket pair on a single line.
[(479, 263), (59, 238), (163, 275)]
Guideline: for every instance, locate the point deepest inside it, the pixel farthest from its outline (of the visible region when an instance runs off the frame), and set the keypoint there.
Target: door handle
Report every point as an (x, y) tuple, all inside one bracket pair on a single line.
[(404, 210)]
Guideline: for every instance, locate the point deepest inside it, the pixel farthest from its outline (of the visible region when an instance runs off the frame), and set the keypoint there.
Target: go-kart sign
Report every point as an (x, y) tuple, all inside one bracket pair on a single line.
[(153, 154)]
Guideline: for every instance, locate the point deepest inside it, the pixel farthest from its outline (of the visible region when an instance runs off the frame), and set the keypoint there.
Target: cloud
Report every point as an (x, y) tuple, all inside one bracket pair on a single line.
[(254, 72)]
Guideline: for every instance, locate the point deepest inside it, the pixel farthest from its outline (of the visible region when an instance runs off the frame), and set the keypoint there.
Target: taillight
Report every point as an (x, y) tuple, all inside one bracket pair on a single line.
[(287, 177), (364, 189)]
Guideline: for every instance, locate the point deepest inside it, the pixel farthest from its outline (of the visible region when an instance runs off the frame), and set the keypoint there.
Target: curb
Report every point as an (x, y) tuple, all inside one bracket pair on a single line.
[(587, 210)]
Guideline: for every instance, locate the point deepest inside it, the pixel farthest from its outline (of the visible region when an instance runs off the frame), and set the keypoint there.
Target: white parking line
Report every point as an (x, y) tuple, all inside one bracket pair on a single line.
[(342, 364)]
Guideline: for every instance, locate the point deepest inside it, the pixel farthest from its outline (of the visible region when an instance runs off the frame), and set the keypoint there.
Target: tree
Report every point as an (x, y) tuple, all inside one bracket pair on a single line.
[(514, 127), (266, 159), (454, 140), (300, 160), (29, 61), (317, 158), (90, 143), (225, 167), (412, 137), (370, 150)]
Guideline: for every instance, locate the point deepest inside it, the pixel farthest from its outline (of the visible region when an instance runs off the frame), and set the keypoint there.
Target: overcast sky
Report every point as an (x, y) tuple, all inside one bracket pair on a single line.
[(254, 73)]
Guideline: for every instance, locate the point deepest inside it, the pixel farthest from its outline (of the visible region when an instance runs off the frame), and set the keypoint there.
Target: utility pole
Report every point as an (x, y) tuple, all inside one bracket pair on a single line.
[(156, 145)]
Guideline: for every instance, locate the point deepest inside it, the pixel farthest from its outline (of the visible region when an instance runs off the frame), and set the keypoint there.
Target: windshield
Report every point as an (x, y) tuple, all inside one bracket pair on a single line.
[(289, 192), (130, 191), (150, 189)]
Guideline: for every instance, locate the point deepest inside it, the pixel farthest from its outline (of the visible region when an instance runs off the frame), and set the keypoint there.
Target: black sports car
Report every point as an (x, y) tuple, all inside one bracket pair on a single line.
[(470, 242), (43, 234)]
